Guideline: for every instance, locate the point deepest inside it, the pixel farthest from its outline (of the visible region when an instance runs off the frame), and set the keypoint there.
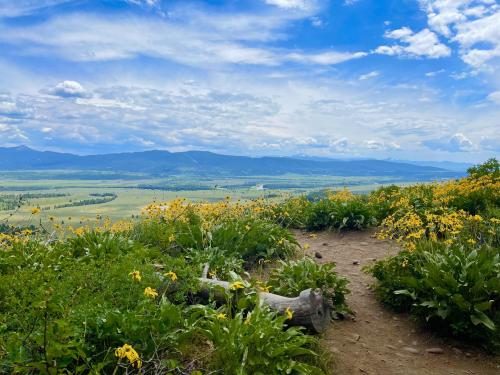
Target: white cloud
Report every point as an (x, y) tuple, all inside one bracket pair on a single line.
[(458, 142), (473, 24), (425, 43), (198, 39), (378, 145), (68, 89), (494, 97), (325, 58), (434, 73), (293, 4), (16, 8), (366, 76)]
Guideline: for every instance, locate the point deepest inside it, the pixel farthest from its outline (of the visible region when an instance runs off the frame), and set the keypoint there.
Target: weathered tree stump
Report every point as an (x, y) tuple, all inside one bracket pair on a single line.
[(309, 309)]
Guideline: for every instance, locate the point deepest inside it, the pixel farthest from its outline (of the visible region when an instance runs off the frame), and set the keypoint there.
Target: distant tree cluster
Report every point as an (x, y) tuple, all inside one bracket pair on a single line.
[(9, 202), (88, 202), (43, 195)]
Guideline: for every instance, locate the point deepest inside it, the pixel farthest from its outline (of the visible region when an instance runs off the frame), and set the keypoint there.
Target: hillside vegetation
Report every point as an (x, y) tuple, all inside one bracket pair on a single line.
[(122, 297)]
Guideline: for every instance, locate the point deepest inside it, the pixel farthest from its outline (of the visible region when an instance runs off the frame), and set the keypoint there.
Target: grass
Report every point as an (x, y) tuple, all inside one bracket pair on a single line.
[(131, 198)]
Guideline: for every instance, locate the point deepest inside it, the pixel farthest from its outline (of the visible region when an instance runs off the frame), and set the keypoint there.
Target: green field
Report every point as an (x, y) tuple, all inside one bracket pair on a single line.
[(135, 193)]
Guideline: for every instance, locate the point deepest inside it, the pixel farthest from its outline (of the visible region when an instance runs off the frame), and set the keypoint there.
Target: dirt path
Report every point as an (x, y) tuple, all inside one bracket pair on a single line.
[(378, 341)]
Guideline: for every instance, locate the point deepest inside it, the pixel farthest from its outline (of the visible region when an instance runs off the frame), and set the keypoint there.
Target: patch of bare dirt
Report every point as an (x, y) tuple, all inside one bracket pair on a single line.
[(380, 341)]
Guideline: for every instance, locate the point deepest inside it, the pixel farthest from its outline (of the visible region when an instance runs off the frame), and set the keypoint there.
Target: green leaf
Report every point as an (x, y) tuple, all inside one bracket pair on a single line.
[(481, 318)]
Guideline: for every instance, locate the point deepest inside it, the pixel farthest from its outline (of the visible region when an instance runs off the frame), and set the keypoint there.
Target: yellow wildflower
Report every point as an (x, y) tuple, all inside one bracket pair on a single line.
[(471, 241), (263, 287), (127, 351), (79, 231), (236, 285), (248, 227), (289, 313), (35, 210), (306, 246), (136, 275), (405, 263), (150, 292), (172, 275), (221, 316), (171, 238)]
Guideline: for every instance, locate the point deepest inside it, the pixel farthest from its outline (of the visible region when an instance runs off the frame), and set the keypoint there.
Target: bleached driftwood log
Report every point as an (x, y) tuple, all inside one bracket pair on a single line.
[(309, 309)]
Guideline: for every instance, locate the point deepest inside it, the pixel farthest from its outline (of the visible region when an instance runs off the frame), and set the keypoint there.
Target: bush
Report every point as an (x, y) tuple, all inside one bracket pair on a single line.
[(352, 214), (454, 289), (257, 342), (292, 277), (61, 313), (253, 239)]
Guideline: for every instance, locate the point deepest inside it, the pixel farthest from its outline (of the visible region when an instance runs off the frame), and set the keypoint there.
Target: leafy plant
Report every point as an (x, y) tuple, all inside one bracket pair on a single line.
[(292, 277), (455, 289), (257, 342)]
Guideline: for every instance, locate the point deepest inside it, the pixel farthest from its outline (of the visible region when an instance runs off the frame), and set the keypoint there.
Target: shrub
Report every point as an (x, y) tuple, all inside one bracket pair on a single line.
[(454, 289), (61, 314), (257, 342), (352, 214), (292, 277), (253, 239)]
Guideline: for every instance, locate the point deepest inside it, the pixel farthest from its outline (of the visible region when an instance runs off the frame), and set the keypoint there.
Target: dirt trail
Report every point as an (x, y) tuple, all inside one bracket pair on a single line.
[(379, 341)]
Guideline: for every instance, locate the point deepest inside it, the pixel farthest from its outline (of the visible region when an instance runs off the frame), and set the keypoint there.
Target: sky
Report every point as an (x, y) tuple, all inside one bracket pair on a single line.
[(398, 79)]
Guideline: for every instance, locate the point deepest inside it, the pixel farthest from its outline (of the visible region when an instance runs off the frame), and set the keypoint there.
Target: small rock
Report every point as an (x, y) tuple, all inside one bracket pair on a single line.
[(457, 351), (409, 349), (391, 347), (374, 259), (325, 243), (355, 262), (318, 255), (435, 350), (363, 243), (468, 355), (356, 337)]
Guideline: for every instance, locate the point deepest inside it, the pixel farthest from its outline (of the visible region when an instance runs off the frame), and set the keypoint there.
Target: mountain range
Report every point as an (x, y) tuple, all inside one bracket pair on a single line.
[(203, 163)]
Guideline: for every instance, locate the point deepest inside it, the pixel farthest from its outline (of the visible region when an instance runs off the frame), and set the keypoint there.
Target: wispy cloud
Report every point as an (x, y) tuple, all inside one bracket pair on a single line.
[(425, 43), (214, 40)]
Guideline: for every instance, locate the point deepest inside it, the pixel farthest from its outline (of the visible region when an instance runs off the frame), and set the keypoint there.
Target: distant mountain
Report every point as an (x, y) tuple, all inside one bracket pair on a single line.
[(449, 165), (202, 163)]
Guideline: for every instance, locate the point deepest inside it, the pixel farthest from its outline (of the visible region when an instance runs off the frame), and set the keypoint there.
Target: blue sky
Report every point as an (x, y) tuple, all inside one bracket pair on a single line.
[(402, 79)]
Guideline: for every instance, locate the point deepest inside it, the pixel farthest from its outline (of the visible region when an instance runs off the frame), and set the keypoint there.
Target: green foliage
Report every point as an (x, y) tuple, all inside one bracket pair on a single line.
[(353, 214), (253, 239), (249, 239), (61, 313), (257, 342), (290, 212), (292, 277), (95, 244), (453, 289), (489, 167)]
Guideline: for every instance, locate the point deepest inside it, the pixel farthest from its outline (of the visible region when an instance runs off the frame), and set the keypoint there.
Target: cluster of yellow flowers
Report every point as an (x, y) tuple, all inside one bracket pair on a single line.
[(8, 240), (150, 292), (127, 351), (449, 191), (343, 195), (210, 213), (428, 211)]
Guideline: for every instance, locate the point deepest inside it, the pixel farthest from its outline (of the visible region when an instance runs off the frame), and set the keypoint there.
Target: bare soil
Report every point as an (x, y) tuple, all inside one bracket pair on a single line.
[(379, 341)]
